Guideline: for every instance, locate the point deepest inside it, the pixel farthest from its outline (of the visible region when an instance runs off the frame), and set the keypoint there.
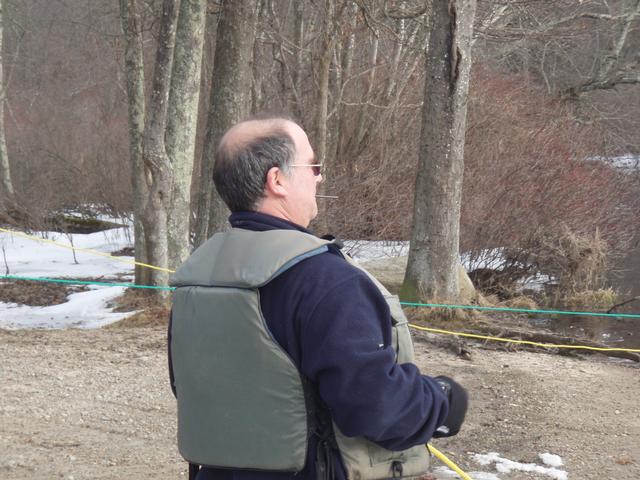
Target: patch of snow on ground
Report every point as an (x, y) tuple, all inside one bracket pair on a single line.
[(504, 465), (30, 258), (88, 309), (370, 249), (446, 473), (91, 309), (374, 249), (551, 459)]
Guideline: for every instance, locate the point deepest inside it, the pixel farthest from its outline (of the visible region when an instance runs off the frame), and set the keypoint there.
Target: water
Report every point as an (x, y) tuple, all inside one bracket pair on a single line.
[(613, 332)]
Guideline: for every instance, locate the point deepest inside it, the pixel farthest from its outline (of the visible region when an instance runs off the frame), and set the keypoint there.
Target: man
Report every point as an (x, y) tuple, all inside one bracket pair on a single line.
[(287, 360)]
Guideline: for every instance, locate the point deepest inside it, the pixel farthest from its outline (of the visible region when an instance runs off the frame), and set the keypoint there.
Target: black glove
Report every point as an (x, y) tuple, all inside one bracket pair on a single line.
[(458, 403)]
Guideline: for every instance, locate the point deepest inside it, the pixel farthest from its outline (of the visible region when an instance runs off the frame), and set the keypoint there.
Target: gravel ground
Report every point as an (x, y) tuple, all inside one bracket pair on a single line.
[(95, 404)]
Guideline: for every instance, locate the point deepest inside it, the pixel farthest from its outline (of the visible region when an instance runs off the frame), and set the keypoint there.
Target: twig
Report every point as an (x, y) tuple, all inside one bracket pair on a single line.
[(623, 303), (6, 264), (70, 237)]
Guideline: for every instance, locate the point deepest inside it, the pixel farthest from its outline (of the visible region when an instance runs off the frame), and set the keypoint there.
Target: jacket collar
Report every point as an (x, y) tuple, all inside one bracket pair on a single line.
[(260, 222)]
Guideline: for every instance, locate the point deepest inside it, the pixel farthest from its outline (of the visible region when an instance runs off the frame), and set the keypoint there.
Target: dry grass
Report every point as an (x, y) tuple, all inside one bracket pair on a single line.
[(151, 309), (578, 261), (448, 318), (36, 294), (521, 301), (603, 298)]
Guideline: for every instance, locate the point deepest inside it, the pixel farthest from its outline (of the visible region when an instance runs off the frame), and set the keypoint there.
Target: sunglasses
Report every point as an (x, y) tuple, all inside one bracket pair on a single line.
[(317, 167)]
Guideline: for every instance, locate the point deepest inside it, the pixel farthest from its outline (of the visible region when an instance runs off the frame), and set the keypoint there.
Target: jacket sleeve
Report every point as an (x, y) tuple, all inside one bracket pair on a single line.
[(346, 340)]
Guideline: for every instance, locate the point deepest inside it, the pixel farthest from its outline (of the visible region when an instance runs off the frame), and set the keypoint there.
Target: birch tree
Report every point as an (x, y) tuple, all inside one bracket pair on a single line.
[(433, 264)]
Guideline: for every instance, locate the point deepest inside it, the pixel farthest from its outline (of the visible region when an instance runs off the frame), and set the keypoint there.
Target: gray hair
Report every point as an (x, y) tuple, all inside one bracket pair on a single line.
[(240, 171)]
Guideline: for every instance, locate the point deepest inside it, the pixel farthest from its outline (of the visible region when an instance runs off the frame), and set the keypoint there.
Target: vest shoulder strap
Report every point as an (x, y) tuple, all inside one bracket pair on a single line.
[(246, 259)]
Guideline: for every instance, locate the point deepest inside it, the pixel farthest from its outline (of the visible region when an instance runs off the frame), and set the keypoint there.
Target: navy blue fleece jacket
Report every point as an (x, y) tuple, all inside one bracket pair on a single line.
[(336, 326)]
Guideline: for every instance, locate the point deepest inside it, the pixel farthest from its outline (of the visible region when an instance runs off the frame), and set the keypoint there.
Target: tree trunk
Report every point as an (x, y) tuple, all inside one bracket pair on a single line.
[(257, 75), (7, 194), (230, 102), (361, 129), (155, 157), (134, 71), (299, 30), (320, 139), (180, 137), (434, 252), (324, 66), (345, 72)]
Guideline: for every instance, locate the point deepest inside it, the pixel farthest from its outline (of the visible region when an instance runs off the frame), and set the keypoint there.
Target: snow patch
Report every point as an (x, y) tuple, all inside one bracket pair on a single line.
[(504, 465), (31, 258), (90, 309), (373, 249), (551, 459)]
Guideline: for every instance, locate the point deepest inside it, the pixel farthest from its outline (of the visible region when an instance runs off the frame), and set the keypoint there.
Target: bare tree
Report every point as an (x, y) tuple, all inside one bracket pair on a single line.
[(7, 195), (230, 102), (328, 41), (433, 265), (575, 47), (155, 156), (134, 71), (613, 70), (180, 136)]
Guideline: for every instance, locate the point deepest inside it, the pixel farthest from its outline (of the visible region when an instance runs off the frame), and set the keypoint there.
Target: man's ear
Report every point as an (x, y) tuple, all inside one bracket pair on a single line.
[(276, 184)]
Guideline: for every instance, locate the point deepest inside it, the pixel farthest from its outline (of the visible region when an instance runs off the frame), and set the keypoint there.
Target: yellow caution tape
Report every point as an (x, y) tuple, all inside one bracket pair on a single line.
[(443, 458), (525, 342)]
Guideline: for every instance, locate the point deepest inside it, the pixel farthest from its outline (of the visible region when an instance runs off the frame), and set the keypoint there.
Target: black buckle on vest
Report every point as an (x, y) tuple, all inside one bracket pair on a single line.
[(396, 469)]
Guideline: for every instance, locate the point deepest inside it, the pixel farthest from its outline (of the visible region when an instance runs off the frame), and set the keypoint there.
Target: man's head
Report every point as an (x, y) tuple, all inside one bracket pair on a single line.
[(263, 165)]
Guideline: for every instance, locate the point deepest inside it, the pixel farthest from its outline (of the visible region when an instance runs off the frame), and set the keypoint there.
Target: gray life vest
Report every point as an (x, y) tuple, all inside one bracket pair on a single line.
[(241, 400)]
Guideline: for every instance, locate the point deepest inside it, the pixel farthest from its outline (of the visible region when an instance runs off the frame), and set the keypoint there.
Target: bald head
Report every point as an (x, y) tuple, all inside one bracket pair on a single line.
[(247, 151), (244, 133)]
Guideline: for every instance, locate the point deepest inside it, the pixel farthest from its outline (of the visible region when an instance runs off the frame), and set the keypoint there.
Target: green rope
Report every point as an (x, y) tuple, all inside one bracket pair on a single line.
[(407, 304)]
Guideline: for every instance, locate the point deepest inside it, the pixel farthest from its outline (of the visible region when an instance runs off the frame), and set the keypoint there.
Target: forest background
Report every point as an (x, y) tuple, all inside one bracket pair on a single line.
[(549, 133)]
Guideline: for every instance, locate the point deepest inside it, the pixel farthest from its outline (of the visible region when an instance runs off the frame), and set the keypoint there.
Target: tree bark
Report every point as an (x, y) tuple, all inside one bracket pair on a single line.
[(299, 31), (230, 102), (361, 129), (180, 137), (7, 194), (257, 75), (434, 252), (324, 65), (320, 139), (134, 71), (346, 62), (155, 156)]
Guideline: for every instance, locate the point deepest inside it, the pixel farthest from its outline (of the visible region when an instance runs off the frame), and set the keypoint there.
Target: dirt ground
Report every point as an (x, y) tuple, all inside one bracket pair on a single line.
[(95, 404)]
